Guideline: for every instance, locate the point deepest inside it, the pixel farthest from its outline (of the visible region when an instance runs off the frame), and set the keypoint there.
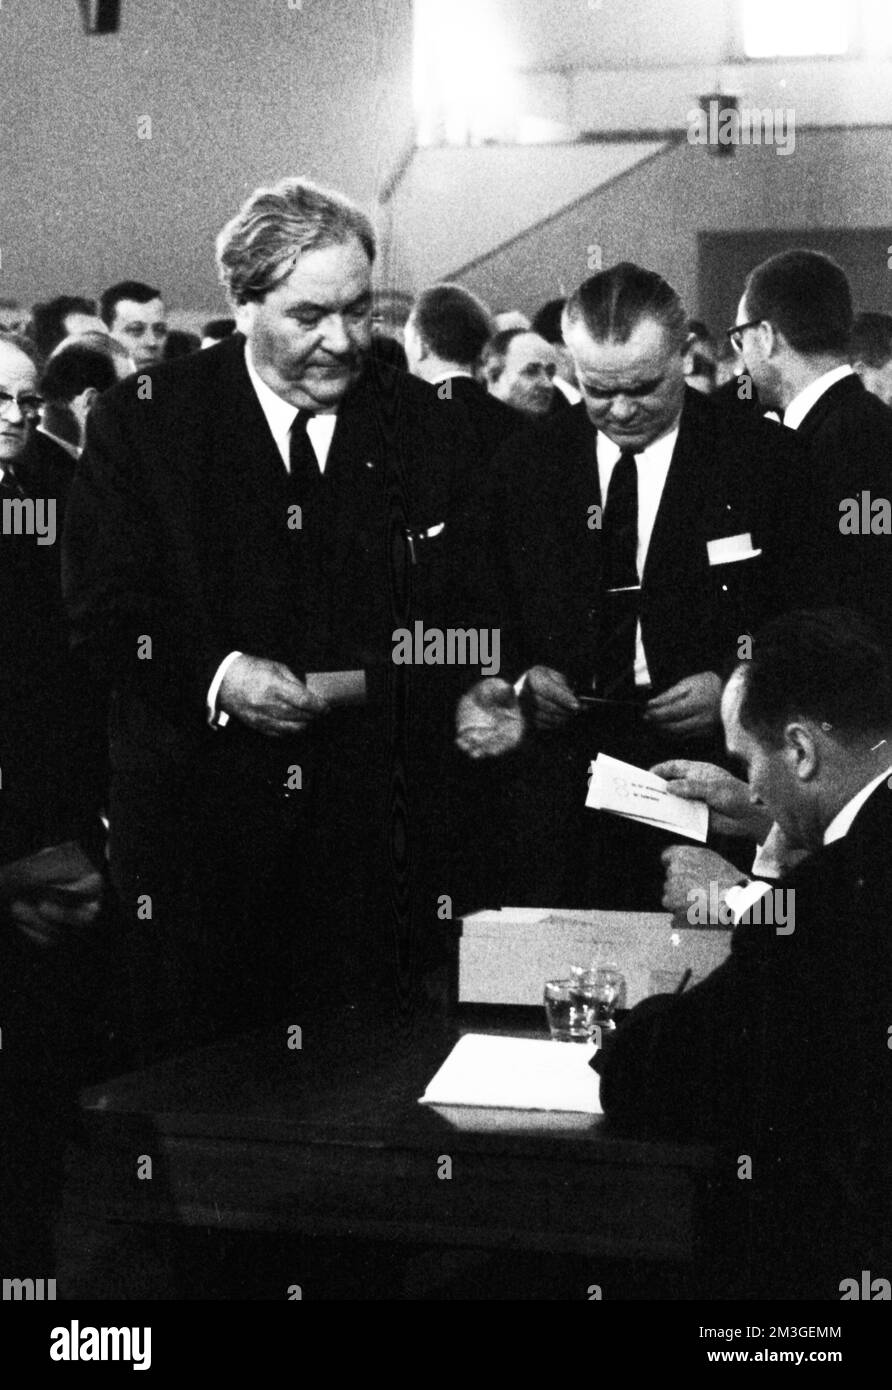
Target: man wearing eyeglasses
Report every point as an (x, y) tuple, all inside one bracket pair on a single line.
[(636, 543), (50, 887), (20, 403), (794, 324)]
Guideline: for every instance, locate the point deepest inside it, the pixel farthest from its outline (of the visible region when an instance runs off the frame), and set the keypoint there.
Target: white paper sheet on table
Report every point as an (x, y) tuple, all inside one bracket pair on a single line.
[(518, 1074), (625, 790)]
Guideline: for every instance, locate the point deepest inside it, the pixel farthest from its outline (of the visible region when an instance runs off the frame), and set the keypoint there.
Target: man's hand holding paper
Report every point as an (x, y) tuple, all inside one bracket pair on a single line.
[(731, 809), (629, 791), (553, 700)]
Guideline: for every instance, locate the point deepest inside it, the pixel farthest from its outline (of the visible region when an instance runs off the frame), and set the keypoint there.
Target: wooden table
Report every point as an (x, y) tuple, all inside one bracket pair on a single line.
[(328, 1139)]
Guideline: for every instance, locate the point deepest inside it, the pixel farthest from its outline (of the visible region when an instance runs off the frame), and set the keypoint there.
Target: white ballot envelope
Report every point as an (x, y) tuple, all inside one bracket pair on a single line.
[(516, 1073), (629, 791), (730, 548)]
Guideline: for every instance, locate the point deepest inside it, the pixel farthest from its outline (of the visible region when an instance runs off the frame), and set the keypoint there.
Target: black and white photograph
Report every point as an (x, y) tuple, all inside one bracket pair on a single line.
[(445, 672)]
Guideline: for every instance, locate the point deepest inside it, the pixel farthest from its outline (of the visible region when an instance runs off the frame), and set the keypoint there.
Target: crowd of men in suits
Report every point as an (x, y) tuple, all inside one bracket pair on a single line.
[(296, 820)]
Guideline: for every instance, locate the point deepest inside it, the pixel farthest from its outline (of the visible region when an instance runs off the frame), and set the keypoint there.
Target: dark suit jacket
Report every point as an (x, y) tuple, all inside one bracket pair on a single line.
[(177, 530), (848, 435), (492, 421), (782, 1054), (729, 475), (47, 470), (45, 800), (43, 753), (728, 395)]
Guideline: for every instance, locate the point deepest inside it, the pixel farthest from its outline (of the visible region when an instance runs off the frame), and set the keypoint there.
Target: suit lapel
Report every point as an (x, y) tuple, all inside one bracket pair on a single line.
[(848, 388), (576, 489), (681, 505), (245, 457), (356, 470)]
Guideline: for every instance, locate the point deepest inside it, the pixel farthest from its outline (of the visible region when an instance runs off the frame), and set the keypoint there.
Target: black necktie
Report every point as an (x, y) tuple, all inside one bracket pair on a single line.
[(305, 481), (620, 525), (10, 485), (615, 663), (301, 454)]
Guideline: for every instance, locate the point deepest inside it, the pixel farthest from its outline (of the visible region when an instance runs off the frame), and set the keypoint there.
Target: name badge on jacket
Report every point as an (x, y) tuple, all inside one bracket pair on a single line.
[(729, 549)]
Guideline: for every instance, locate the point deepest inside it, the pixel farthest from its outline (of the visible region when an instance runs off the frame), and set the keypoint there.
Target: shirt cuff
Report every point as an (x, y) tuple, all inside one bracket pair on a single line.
[(766, 863), (742, 896), (218, 719)]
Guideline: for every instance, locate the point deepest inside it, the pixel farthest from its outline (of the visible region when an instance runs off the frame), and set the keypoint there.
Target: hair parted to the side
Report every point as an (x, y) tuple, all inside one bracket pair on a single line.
[(612, 303), (827, 665), (135, 290), (453, 323), (259, 247), (805, 295)]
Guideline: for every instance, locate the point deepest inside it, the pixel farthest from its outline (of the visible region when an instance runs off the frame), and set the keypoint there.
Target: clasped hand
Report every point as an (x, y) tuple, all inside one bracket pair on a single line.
[(57, 887), (489, 721)]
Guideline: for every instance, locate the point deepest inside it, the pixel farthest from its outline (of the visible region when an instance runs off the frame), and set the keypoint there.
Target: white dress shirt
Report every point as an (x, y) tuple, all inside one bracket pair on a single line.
[(280, 417), (652, 465), (800, 405), (568, 390), (841, 824)]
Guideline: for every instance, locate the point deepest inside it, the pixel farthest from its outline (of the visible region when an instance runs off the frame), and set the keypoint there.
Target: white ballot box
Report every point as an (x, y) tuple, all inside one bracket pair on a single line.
[(507, 955)]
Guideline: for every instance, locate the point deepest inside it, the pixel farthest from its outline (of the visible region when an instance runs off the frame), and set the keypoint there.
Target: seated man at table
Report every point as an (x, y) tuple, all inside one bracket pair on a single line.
[(781, 1056)]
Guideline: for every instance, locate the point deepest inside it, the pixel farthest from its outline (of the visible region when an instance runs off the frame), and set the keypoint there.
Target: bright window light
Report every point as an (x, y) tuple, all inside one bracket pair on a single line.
[(464, 85), (795, 28), (877, 28)]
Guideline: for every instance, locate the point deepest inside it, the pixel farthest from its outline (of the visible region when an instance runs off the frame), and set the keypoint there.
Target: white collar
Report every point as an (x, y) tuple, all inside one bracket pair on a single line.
[(447, 376), (661, 449), (800, 405), (65, 444), (841, 824), (279, 413)]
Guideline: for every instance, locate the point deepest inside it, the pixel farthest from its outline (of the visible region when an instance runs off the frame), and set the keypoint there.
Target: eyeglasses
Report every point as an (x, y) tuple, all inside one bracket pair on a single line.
[(735, 334), (28, 403)]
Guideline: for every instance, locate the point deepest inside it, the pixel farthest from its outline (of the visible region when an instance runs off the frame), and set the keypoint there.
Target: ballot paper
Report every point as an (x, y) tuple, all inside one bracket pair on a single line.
[(629, 791), (516, 1074)]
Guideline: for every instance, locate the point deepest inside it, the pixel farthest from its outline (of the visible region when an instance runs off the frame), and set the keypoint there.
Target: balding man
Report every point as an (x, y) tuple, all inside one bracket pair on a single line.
[(520, 368), (243, 540), (635, 542)]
